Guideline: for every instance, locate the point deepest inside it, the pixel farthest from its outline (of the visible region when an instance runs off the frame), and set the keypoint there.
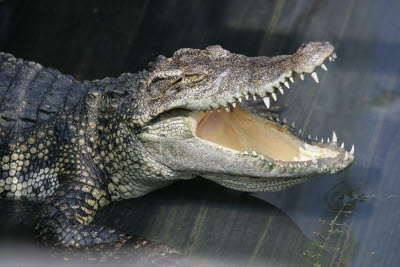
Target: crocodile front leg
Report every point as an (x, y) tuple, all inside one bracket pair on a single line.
[(65, 222)]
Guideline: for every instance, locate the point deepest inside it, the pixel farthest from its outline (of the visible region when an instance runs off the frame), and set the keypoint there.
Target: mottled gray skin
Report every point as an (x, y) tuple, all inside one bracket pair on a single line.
[(79, 146)]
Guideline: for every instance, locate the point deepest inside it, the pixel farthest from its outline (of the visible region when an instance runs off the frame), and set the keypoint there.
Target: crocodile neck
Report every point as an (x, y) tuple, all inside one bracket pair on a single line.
[(129, 170)]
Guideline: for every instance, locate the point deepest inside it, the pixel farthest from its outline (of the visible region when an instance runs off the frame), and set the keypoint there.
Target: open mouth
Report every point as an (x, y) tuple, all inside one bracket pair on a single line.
[(245, 132), (242, 131)]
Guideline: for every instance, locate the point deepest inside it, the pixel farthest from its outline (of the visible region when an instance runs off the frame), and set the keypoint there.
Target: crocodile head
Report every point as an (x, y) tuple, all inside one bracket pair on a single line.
[(192, 120)]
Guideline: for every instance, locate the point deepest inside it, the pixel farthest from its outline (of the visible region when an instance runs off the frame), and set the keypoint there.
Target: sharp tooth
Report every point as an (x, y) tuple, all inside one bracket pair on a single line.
[(227, 109), (270, 118), (346, 157), (266, 101), (342, 146), (322, 140), (295, 158), (287, 84), (240, 99), (334, 137), (247, 97), (314, 161), (280, 89), (300, 132), (234, 104), (254, 153), (274, 96), (291, 79), (292, 125), (334, 55), (284, 121), (298, 165), (352, 150), (262, 157), (309, 136), (315, 76), (302, 77), (316, 139), (324, 67), (254, 97), (277, 119), (328, 140), (330, 58), (246, 152)]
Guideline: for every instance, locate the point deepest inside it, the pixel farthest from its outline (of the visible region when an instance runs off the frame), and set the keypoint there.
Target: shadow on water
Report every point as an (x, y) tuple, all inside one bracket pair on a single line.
[(191, 216), (196, 217)]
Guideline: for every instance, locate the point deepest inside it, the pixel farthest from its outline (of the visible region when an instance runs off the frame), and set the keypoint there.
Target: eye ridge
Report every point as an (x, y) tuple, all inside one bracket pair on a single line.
[(175, 85), (157, 79)]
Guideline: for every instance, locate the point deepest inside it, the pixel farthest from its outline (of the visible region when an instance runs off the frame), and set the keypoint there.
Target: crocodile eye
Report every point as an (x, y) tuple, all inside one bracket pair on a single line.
[(195, 78)]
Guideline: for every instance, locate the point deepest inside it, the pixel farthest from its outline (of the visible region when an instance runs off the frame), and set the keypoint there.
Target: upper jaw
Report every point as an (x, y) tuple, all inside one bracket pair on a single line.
[(233, 77), (257, 77)]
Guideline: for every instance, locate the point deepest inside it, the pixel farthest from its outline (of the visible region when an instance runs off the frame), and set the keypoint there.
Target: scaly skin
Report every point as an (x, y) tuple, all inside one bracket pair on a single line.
[(79, 146)]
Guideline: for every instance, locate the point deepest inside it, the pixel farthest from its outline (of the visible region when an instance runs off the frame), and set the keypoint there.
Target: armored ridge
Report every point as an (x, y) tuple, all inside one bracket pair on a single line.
[(31, 95), (81, 145)]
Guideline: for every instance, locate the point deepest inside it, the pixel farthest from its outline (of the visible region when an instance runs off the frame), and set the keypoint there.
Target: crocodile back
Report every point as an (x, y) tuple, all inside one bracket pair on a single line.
[(31, 95)]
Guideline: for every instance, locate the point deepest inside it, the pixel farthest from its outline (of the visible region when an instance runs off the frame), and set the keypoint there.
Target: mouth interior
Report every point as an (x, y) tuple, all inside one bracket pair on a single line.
[(244, 131)]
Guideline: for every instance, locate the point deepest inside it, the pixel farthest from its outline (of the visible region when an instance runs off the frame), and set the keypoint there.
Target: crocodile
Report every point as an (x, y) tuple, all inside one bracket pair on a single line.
[(77, 146)]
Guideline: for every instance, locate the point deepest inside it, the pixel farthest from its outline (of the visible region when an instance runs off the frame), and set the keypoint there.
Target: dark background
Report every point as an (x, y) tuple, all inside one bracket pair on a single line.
[(347, 219)]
